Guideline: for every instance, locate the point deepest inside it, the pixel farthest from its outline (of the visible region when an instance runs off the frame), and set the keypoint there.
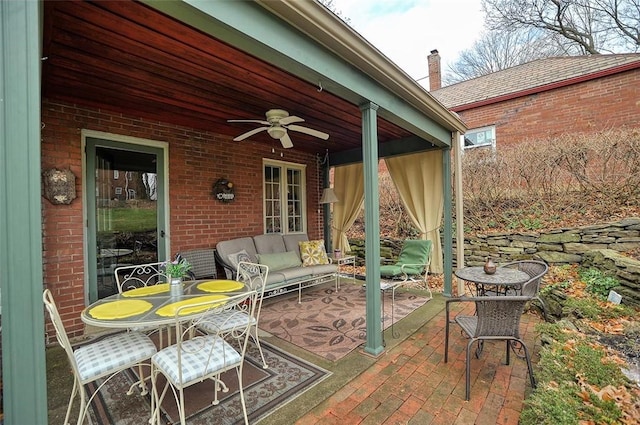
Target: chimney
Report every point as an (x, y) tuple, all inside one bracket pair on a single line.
[(435, 80)]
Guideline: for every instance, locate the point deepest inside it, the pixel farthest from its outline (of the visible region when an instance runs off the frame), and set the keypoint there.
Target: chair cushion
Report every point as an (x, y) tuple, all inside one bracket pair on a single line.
[(292, 241), (396, 270), (279, 261), (291, 274), (225, 321), (269, 244), (313, 253), (111, 354), (200, 357), (415, 252), (224, 248), (236, 257)]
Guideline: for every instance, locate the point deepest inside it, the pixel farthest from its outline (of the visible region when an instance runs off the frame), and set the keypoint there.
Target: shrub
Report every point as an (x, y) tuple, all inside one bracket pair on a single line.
[(597, 282), (539, 183)]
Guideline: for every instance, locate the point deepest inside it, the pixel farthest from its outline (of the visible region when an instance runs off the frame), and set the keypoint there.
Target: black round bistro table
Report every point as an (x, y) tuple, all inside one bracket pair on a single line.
[(500, 282)]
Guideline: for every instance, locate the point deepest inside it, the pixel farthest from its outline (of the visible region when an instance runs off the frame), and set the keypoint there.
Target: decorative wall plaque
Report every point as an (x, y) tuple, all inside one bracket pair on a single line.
[(59, 186), (223, 190)]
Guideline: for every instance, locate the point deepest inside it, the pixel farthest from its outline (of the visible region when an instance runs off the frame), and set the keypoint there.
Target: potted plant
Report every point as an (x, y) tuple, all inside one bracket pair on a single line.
[(176, 270)]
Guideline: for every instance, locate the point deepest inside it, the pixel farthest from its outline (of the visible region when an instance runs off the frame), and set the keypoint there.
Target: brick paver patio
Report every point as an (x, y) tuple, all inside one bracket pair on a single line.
[(411, 384)]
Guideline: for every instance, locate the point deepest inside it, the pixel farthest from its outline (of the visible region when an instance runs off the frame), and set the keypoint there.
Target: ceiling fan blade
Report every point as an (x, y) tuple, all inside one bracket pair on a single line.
[(249, 133), (286, 141), (309, 131), (256, 121), (290, 120)]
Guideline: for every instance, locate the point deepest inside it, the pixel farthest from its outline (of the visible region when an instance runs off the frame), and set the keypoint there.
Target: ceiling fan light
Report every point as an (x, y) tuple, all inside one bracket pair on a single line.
[(276, 132)]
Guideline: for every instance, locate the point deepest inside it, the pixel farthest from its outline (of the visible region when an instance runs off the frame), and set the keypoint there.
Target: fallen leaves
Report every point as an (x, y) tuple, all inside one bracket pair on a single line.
[(625, 398)]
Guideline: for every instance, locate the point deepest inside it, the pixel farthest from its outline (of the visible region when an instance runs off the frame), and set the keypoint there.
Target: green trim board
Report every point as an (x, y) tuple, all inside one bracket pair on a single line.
[(21, 280)]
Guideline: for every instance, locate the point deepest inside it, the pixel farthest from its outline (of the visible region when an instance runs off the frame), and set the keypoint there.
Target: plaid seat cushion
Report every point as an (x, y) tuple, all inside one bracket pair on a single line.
[(225, 321), (200, 357), (114, 353)]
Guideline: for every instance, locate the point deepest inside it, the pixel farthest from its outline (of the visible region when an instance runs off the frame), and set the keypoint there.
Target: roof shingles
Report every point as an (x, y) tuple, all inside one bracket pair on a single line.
[(529, 76)]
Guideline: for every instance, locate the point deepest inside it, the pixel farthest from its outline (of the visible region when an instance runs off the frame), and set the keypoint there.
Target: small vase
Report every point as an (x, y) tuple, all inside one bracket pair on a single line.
[(175, 286), (489, 266)]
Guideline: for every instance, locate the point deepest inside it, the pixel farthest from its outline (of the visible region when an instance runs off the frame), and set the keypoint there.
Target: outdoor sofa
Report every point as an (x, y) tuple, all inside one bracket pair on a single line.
[(290, 269)]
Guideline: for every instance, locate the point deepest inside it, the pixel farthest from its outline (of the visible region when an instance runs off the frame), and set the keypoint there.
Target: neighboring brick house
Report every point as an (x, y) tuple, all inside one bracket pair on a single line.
[(546, 97)]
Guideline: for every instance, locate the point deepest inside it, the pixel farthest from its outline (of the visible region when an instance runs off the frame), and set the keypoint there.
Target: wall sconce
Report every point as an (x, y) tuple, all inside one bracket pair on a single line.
[(328, 196)]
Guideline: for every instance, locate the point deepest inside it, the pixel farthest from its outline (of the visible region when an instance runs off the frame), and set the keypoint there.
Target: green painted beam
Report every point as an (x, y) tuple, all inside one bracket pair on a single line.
[(251, 28), (23, 354), (405, 146), (374, 343)]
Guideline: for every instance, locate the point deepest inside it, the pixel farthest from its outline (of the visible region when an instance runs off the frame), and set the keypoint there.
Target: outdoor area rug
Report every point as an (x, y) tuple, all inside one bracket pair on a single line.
[(328, 323), (265, 390)]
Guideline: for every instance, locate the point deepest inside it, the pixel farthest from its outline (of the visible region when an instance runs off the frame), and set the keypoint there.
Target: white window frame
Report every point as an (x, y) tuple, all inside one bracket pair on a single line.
[(282, 198), (488, 133)]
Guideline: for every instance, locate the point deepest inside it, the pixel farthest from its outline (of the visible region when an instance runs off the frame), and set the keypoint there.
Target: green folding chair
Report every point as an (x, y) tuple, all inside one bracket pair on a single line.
[(412, 266)]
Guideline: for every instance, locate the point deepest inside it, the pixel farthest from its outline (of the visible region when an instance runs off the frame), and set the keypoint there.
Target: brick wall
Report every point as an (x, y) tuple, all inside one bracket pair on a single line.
[(608, 102), (197, 160)]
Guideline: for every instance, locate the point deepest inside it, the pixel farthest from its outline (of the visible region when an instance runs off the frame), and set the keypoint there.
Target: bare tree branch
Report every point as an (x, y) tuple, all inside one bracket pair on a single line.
[(589, 26), (329, 4), (497, 50)]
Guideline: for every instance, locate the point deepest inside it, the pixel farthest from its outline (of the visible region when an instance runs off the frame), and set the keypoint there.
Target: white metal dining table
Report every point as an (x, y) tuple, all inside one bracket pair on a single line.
[(153, 306)]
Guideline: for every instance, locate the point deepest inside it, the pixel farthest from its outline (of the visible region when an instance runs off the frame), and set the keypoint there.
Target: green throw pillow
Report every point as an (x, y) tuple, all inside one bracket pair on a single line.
[(280, 260)]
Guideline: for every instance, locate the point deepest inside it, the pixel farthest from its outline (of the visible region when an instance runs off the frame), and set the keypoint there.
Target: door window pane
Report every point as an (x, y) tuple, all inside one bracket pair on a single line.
[(126, 212), (283, 186)]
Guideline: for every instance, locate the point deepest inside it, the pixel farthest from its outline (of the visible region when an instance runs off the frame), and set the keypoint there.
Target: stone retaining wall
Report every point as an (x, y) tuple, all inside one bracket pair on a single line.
[(596, 246)]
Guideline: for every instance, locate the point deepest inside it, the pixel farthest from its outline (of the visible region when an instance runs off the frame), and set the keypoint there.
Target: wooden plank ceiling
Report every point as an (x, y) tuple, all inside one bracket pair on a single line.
[(129, 58)]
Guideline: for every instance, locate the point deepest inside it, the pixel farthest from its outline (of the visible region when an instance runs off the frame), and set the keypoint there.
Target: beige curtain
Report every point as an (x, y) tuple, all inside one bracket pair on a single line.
[(418, 178), (348, 185)]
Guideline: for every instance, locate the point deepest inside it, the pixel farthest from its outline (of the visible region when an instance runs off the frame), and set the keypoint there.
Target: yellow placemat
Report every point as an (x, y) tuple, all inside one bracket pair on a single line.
[(169, 310), (220, 286), (147, 290), (120, 309)]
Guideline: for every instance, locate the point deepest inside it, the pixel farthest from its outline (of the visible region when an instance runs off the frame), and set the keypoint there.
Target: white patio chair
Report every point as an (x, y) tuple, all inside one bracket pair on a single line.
[(194, 359), (255, 276), (104, 358), (139, 275)]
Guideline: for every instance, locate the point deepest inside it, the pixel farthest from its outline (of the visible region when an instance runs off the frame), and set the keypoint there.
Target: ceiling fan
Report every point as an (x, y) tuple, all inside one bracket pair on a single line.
[(277, 123)]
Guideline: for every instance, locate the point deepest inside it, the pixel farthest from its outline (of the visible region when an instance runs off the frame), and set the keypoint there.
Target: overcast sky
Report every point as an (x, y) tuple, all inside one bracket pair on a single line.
[(407, 30)]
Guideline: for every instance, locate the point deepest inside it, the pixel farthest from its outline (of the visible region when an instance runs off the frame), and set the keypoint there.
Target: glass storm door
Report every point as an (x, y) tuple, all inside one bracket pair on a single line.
[(125, 217)]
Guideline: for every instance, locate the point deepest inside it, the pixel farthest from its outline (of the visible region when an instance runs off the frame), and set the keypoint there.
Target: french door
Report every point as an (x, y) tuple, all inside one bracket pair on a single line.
[(125, 198)]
